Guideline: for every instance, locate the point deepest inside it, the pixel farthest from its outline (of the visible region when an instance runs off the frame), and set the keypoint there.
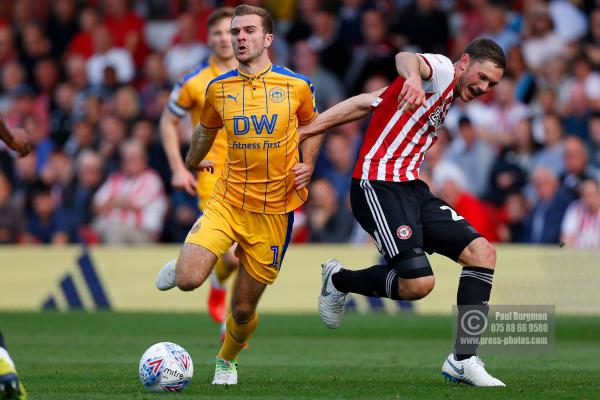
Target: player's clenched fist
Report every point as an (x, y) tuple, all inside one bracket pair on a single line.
[(412, 94)]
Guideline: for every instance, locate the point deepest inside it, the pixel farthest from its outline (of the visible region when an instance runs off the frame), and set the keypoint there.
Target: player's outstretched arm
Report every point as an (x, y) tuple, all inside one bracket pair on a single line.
[(202, 141), (182, 179), (413, 69), (346, 111), (16, 140)]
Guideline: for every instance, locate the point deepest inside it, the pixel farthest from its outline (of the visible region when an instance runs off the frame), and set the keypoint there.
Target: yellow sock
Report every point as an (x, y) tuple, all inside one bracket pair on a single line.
[(222, 271), (236, 337)]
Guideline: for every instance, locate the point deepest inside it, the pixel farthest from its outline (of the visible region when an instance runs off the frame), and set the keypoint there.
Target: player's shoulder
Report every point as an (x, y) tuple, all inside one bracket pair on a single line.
[(436, 59), (193, 75), (223, 77), (288, 73)]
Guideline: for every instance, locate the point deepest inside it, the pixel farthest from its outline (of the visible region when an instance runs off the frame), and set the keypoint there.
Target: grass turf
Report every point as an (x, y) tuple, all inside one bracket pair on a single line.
[(96, 355)]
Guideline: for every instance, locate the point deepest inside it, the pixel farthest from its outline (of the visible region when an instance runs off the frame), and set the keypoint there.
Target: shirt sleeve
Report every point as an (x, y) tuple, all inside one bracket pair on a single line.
[(441, 70), (210, 117), (180, 99), (307, 109)]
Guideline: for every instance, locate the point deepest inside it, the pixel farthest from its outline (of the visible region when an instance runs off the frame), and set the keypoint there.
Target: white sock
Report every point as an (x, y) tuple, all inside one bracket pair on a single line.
[(214, 282), (4, 354)]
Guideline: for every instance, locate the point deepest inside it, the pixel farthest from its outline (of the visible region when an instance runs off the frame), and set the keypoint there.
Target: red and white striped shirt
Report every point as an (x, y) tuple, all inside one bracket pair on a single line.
[(144, 192), (583, 225), (395, 142)]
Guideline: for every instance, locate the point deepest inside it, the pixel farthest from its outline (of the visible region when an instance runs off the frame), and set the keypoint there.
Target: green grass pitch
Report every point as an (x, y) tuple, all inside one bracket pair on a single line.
[(96, 355)]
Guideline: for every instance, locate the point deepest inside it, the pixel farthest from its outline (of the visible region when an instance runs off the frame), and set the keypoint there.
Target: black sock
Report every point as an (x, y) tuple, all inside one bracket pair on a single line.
[(376, 281), (2, 341), (474, 288)]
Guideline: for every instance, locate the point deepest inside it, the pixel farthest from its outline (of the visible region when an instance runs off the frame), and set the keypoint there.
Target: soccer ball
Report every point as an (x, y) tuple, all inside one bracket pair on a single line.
[(166, 367)]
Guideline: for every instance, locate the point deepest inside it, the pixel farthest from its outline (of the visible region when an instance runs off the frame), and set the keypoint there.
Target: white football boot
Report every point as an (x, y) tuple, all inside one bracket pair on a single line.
[(470, 371), (165, 279), (331, 300), (225, 372)]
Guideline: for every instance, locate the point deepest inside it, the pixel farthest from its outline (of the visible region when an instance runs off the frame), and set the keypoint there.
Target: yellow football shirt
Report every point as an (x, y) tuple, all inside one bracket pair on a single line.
[(188, 95), (261, 114)]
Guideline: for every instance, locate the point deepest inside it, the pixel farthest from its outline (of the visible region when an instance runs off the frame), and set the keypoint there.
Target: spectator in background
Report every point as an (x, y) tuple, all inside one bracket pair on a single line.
[(496, 27), (155, 80), (328, 221), (200, 10), (350, 18), (11, 220), (8, 52), (584, 74), (324, 39), (423, 27), (541, 43), (506, 112), (525, 85), (513, 213), (327, 85), (127, 29), (61, 124), (542, 224), (106, 56), (450, 184), (592, 42), (569, 21), (62, 25), (13, 76), (46, 222), (188, 52), (340, 154), (36, 46), (112, 133), (83, 42), (551, 155), (79, 195), (576, 165), (374, 56), (576, 112), (472, 155), (145, 132), (126, 105), (594, 140), (300, 28), (83, 138), (131, 205), (581, 224)]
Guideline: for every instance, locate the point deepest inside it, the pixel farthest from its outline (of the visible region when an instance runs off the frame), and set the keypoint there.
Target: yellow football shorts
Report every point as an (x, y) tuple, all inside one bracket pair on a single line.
[(262, 238), (204, 186)]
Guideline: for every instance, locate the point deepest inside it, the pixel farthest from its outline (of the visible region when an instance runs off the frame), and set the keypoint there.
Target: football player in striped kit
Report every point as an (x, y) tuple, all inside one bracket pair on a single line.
[(397, 208)]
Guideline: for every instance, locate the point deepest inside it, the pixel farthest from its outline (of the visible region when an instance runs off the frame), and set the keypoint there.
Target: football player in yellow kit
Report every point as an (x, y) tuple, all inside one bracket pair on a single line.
[(260, 105), (188, 96)]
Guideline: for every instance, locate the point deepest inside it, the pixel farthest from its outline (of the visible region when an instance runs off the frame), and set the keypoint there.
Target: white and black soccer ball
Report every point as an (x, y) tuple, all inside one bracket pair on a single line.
[(166, 367)]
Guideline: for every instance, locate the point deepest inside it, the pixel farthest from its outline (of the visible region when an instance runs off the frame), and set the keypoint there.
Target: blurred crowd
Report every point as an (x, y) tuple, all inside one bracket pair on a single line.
[(88, 79)]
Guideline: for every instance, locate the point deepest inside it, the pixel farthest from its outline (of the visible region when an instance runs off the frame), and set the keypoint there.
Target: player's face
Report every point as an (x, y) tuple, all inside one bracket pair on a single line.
[(478, 77), (248, 38), (219, 38)]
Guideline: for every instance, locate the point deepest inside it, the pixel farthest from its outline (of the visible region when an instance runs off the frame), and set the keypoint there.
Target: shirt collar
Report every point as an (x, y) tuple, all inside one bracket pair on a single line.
[(258, 75)]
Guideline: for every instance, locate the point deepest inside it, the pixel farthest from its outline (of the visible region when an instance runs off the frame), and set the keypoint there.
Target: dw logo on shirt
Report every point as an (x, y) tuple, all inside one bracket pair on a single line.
[(241, 124)]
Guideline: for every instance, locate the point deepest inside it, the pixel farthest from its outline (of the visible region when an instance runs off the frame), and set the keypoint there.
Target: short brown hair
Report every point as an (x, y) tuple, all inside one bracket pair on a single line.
[(483, 49), (267, 18), (219, 14)]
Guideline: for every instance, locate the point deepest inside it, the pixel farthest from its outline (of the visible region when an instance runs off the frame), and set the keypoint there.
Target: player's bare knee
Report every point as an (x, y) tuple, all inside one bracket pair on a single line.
[(242, 312), (185, 282), (479, 253), (415, 289)]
